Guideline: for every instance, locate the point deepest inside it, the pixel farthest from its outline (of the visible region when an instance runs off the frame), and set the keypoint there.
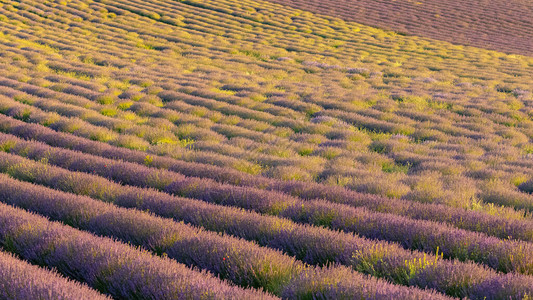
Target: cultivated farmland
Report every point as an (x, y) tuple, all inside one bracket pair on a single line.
[(499, 25), (252, 150)]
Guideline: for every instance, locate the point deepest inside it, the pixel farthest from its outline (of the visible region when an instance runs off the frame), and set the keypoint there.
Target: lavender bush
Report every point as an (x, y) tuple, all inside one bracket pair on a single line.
[(414, 234), (241, 262), (310, 244), (110, 267), (322, 158), (469, 220), (20, 280)]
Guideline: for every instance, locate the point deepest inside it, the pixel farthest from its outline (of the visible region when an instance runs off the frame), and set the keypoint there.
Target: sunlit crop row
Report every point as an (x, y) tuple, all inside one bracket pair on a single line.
[(291, 154)]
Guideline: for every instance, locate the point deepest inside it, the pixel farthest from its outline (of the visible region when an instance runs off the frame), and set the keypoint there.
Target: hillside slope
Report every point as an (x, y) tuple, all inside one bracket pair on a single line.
[(500, 25), (247, 149)]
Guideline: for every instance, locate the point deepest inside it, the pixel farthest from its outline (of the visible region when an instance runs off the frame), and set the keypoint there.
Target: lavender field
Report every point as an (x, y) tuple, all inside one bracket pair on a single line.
[(224, 149)]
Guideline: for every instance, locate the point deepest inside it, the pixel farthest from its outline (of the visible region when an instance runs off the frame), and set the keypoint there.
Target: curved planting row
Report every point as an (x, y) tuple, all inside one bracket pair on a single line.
[(508, 256), (242, 262), (263, 89), (145, 31), (20, 280), (510, 203), (53, 101), (111, 267), (96, 127), (465, 23), (310, 244), (469, 220)]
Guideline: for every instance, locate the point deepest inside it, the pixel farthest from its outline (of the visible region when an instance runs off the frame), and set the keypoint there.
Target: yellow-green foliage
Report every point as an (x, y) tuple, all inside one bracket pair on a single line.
[(267, 89), (6, 146), (247, 167), (110, 112), (132, 142), (417, 265), (124, 105), (148, 160), (106, 99)]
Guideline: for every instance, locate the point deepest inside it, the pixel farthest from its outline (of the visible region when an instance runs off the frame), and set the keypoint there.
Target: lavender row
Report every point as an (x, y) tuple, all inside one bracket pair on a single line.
[(84, 129), (242, 262), (109, 266), (469, 220), (476, 221), (105, 128), (508, 256), (313, 245), (21, 280)]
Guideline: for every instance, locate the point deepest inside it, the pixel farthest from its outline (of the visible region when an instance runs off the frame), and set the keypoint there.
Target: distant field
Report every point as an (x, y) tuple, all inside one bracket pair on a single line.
[(500, 25), (249, 150)]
